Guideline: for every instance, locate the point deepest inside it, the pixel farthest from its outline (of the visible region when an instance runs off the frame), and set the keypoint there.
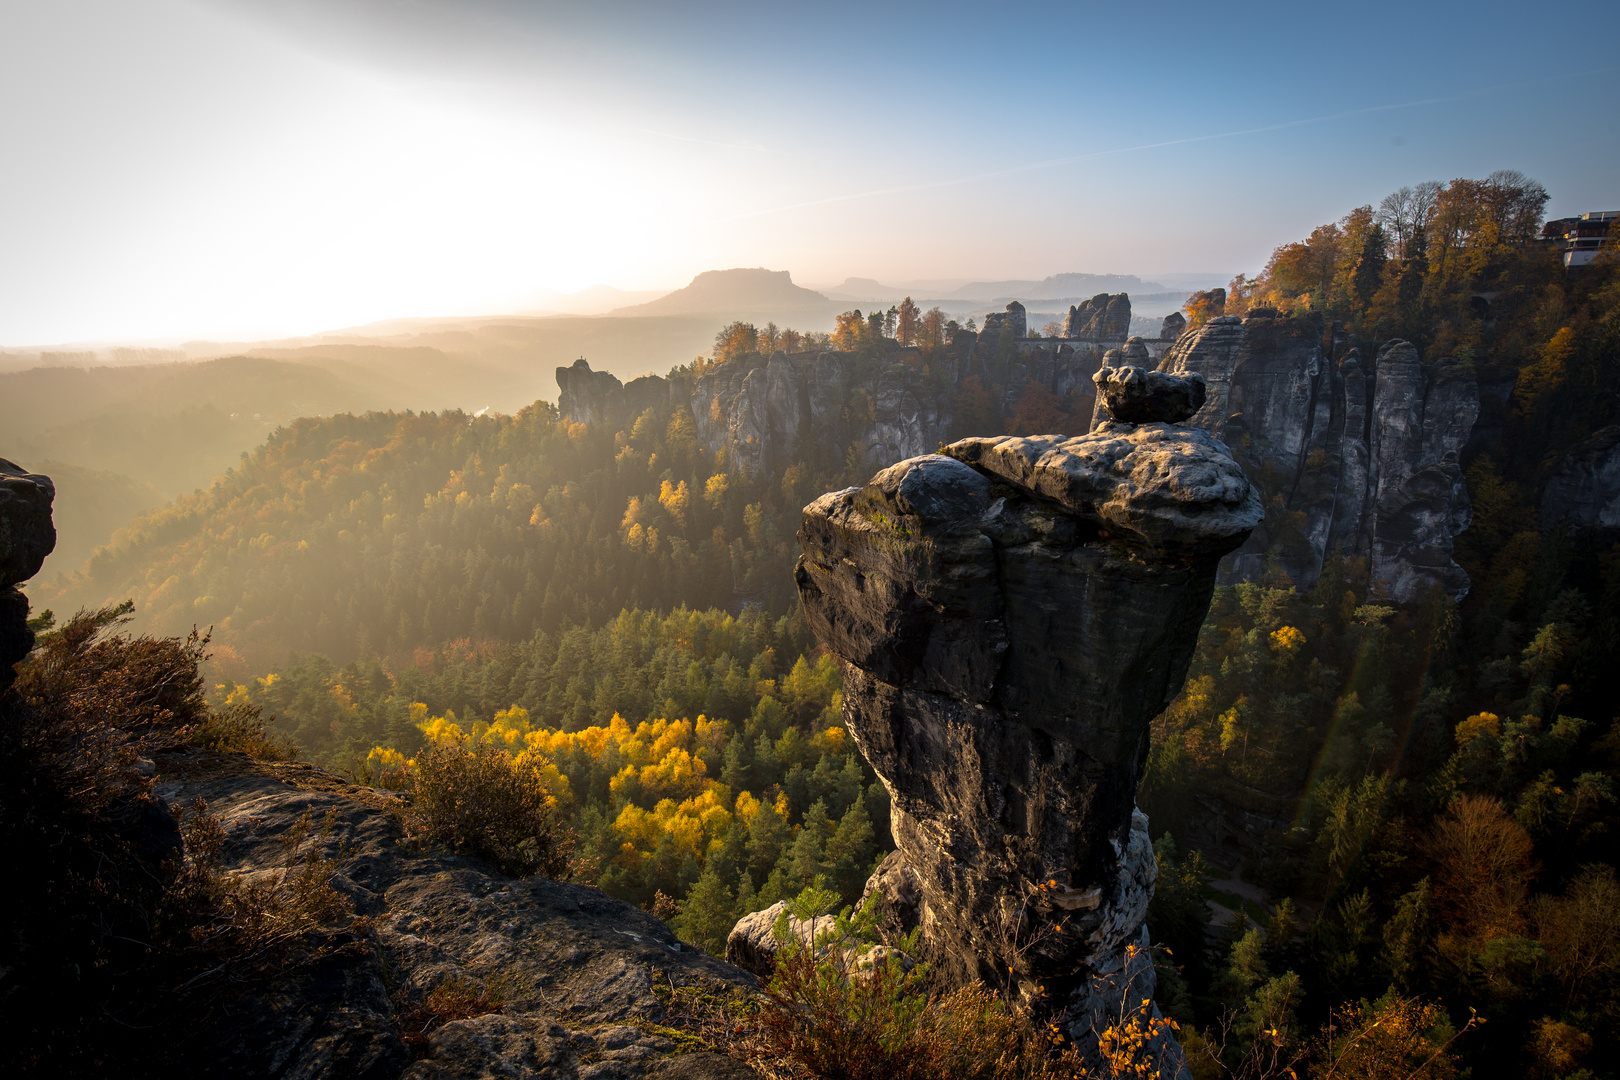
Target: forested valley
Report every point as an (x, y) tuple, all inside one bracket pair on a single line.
[(1381, 804)]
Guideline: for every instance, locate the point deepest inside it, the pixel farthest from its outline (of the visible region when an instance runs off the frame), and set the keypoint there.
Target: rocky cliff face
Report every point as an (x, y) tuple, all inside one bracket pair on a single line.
[(767, 412), (26, 537), (597, 397), (1584, 490), (1012, 614), (1102, 318), (1356, 454), (1353, 453)]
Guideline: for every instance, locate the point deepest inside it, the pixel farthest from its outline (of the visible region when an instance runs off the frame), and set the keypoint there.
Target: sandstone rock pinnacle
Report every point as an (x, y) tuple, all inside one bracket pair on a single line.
[(1013, 612)]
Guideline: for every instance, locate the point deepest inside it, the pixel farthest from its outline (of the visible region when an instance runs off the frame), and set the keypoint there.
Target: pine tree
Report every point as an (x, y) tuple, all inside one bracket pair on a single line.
[(707, 914), (850, 851), (1415, 271), (767, 836), (848, 786), (766, 767), (1370, 266), (734, 773), (808, 855), (747, 904)]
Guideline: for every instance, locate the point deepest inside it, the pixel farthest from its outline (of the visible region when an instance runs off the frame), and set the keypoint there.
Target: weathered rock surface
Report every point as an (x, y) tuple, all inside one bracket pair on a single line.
[(1363, 454), (1013, 612), (27, 536), (1102, 318), (26, 532), (1014, 321), (1355, 456), (1174, 325), (597, 397), (753, 945), (1136, 395), (579, 968), (898, 887), (765, 412), (1584, 489)]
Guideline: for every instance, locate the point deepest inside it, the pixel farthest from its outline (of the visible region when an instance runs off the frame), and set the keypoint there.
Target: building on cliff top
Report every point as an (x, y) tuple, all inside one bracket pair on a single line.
[(1580, 238)]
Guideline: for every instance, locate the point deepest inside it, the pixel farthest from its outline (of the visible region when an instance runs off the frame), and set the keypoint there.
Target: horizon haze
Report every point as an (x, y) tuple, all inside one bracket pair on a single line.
[(189, 169)]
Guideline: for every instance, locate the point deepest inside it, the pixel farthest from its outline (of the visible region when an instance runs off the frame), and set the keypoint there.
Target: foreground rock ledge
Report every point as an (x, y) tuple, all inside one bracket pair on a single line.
[(1013, 613), (582, 971)]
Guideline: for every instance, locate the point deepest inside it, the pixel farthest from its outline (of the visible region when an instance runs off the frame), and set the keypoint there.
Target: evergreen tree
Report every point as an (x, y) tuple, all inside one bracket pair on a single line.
[(1414, 271), (768, 835), (808, 856), (849, 851), (708, 913), (1369, 272), (734, 773)]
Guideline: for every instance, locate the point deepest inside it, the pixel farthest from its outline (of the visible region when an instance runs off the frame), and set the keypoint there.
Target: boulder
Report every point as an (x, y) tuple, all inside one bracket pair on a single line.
[(1136, 395), (26, 532), (752, 944), (898, 891), (27, 536), (1012, 613)]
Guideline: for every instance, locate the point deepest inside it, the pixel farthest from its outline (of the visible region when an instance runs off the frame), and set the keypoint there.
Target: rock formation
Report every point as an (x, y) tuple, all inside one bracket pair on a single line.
[(596, 397), (1135, 395), (1174, 325), (1102, 318), (1584, 489), (26, 537), (1363, 456), (580, 968), (1012, 613), (1013, 321)]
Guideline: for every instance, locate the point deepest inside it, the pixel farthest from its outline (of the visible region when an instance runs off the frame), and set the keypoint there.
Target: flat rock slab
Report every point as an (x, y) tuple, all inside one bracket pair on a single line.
[(580, 971)]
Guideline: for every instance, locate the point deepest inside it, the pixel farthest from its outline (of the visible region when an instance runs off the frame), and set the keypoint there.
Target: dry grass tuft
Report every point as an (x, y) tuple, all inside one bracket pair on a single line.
[(825, 1013), (456, 998)]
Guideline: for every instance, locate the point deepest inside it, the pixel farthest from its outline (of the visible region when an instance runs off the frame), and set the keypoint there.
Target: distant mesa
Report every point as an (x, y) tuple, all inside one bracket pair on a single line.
[(752, 289)]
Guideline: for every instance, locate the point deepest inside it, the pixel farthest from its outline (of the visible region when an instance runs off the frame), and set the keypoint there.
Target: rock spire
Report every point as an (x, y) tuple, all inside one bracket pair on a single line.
[(1012, 612)]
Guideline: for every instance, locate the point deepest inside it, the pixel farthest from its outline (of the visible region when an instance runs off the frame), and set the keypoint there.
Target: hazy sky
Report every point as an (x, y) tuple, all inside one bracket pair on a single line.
[(177, 168)]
